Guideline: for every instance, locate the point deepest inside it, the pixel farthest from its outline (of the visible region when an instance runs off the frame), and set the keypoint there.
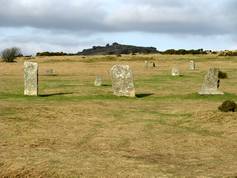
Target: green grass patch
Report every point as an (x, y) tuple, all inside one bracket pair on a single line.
[(7, 112), (68, 96)]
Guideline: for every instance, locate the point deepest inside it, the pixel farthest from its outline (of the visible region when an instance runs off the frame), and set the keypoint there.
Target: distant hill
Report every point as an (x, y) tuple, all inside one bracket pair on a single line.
[(117, 49)]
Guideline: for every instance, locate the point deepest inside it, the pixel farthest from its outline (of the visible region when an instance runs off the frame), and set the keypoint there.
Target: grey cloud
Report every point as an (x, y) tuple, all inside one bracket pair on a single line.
[(230, 12), (164, 3), (203, 17), (172, 17), (55, 14), (38, 40)]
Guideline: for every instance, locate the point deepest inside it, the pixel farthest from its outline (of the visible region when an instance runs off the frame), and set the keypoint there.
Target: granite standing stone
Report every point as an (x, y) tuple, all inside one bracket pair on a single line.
[(175, 71), (192, 65), (31, 78), (211, 83), (149, 64), (50, 72), (146, 64), (98, 81), (122, 81)]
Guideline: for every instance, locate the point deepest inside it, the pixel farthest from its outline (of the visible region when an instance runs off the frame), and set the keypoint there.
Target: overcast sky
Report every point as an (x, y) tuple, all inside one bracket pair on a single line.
[(72, 25)]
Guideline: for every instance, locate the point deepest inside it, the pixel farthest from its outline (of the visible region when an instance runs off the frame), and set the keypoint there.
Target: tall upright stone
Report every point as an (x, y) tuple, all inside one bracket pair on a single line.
[(122, 81), (192, 65), (31, 78), (211, 83), (175, 71)]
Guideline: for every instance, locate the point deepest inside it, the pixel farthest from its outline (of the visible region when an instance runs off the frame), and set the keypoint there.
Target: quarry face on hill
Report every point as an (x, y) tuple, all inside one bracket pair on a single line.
[(117, 49)]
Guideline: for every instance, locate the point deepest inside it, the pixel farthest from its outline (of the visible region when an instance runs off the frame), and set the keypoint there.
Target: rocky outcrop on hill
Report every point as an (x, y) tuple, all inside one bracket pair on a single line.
[(117, 49)]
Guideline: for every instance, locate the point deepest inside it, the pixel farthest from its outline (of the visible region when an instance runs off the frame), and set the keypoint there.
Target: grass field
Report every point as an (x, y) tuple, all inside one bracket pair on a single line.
[(74, 129)]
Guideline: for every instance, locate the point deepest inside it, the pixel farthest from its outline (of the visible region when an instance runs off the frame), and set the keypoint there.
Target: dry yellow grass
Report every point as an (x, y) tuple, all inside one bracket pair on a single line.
[(77, 130)]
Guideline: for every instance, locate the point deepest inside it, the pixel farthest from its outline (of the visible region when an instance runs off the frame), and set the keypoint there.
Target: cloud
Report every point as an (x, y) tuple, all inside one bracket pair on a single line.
[(173, 17), (74, 24), (32, 40), (157, 16), (54, 14)]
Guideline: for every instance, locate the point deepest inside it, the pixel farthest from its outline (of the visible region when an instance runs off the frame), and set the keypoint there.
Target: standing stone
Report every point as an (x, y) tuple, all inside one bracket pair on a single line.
[(149, 64), (192, 65), (50, 72), (122, 80), (175, 71), (31, 78), (211, 83), (98, 81), (146, 64), (153, 64)]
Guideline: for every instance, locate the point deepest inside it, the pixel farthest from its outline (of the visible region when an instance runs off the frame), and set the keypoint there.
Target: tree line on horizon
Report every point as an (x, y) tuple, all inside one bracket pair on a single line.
[(10, 54), (119, 49), (168, 52)]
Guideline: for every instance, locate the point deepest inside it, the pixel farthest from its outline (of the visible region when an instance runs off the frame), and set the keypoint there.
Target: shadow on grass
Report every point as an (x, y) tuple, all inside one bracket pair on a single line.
[(143, 95), (54, 94), (49, 75), (106, 85)]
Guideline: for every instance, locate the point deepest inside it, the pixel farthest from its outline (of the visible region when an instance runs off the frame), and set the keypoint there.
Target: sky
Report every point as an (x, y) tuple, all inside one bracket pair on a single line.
[(73, 25)]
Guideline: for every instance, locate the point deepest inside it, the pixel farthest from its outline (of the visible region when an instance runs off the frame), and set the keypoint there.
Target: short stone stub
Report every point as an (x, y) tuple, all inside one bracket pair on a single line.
[(175, 71), (98, 81)]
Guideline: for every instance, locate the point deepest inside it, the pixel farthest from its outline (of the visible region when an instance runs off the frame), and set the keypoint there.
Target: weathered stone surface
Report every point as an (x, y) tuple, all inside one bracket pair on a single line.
[(192, 65), (31, 78), (211, 83), (175, 71), (98, 81), (122, 81)]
